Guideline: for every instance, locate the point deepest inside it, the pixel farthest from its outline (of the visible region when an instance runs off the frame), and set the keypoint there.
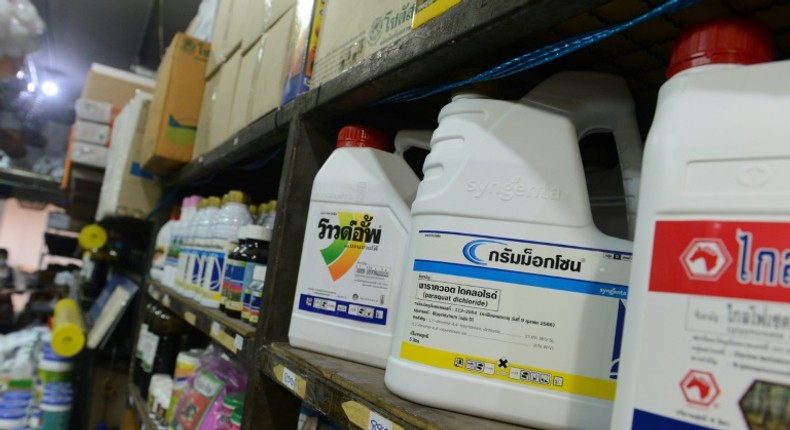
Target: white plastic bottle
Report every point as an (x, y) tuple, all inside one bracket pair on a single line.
[(202, 248), (512, 298), (354, 249), (706, 334), (224, 237), (187, 255), (188, 209), (163, 237), (173, 248)]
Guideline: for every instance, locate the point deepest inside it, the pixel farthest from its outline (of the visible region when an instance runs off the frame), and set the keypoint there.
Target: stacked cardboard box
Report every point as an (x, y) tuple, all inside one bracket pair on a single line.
[(105, 89), (169, 137)]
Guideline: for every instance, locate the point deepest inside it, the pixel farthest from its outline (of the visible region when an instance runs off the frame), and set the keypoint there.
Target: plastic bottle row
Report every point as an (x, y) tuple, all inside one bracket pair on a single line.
[(486, 288), (216, 253)]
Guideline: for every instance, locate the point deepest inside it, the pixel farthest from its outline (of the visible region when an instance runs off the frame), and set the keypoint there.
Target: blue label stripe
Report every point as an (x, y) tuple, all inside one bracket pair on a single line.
[(559, 245), (520, 278), (377, 315), (649, 421)]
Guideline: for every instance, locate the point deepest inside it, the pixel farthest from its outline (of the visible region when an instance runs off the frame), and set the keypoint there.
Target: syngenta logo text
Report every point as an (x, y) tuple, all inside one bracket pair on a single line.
[(528, 258), (762, 266), (508, 190), (350, 236)]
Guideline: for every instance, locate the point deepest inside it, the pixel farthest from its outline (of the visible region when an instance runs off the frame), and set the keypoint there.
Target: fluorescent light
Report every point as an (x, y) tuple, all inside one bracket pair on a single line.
[(31, 87), (49, 88)]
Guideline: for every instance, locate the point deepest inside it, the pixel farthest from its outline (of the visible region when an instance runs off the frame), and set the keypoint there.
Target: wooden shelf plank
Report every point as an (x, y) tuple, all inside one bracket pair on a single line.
[(349, 392), (233, 334)]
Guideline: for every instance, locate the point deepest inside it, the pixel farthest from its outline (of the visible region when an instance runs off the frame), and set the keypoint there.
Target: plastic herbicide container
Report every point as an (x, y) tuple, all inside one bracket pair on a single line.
[(513, 300), (706, 336), (354, 249)]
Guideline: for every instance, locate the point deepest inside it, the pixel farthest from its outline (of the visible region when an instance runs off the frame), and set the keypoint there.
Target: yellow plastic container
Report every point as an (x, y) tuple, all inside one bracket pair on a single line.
[(68, 329)]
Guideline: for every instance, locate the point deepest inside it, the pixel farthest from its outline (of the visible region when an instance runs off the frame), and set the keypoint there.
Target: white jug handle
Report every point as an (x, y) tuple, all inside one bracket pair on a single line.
[(406, 139), (599, 102)]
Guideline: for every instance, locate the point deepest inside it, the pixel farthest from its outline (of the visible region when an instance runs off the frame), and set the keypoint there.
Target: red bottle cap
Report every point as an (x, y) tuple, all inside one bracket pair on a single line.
[(726, 41), (359, 136)]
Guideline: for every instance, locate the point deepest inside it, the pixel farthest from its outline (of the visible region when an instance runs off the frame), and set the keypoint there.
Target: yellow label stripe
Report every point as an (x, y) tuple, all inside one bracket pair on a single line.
[(513, 372)]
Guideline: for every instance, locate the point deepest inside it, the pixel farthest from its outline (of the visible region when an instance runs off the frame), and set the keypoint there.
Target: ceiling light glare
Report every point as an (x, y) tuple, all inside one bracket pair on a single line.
[(49, 88)]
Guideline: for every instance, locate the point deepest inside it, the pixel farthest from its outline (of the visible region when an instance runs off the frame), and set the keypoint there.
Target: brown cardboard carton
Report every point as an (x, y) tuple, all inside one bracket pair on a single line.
[(170, 131), (115, 86)]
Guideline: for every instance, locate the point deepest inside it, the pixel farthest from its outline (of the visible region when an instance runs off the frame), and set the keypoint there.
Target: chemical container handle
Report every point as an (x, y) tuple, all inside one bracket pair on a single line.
[(406, 139), (598, 102)]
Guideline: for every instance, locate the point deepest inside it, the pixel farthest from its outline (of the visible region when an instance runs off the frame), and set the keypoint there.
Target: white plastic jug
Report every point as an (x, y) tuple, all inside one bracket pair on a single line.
[(354, 248), (707, 335), (512, 299)]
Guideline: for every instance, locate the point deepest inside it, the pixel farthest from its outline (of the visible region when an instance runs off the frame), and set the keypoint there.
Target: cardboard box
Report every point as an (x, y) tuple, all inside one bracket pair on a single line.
[(206, 113), (127, 189), (427, 10), (303, 45), (172, 119), (218, 35), (88, 154), (235, 31), (114, 86), (270, 75), (245, 84), (261, 15), (92, 132), (96, 111), (219, 130), (351, 33)]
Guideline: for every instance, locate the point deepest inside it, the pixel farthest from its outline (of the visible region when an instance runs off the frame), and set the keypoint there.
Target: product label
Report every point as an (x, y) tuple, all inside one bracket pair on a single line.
[(150, 343), (255, 306), (350, 262), (715, 350), (543, 305), (196, 402), (138, 350), (214, 262), (234, 283), (173, 251)]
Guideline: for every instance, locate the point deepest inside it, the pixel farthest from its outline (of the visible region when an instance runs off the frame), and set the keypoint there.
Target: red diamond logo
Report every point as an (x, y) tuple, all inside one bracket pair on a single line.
[(699, 388), (705, 259)]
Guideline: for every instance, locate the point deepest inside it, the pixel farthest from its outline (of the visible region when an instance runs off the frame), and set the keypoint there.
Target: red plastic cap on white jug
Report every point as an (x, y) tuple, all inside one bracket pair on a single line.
[(360, 136), (726, 41)]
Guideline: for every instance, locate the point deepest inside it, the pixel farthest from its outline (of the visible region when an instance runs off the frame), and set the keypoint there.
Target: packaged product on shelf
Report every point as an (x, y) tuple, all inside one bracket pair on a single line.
[(200, 406), (350, 33), (252, 296), (706, 332), (127, 189), (251, 252), (159, 344), (230, 403), (510, 290), (186, 364), (53, 367), (354, 248), (96, 111), (180, 230), (303, 44), (159, 261), (204, 247), (172, 118), (159, 396), (224, 237)]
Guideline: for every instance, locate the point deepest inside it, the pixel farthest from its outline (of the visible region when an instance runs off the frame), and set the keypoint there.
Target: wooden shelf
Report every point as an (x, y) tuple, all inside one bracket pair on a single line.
[(141, 408), (233, 334), (348, 392)]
